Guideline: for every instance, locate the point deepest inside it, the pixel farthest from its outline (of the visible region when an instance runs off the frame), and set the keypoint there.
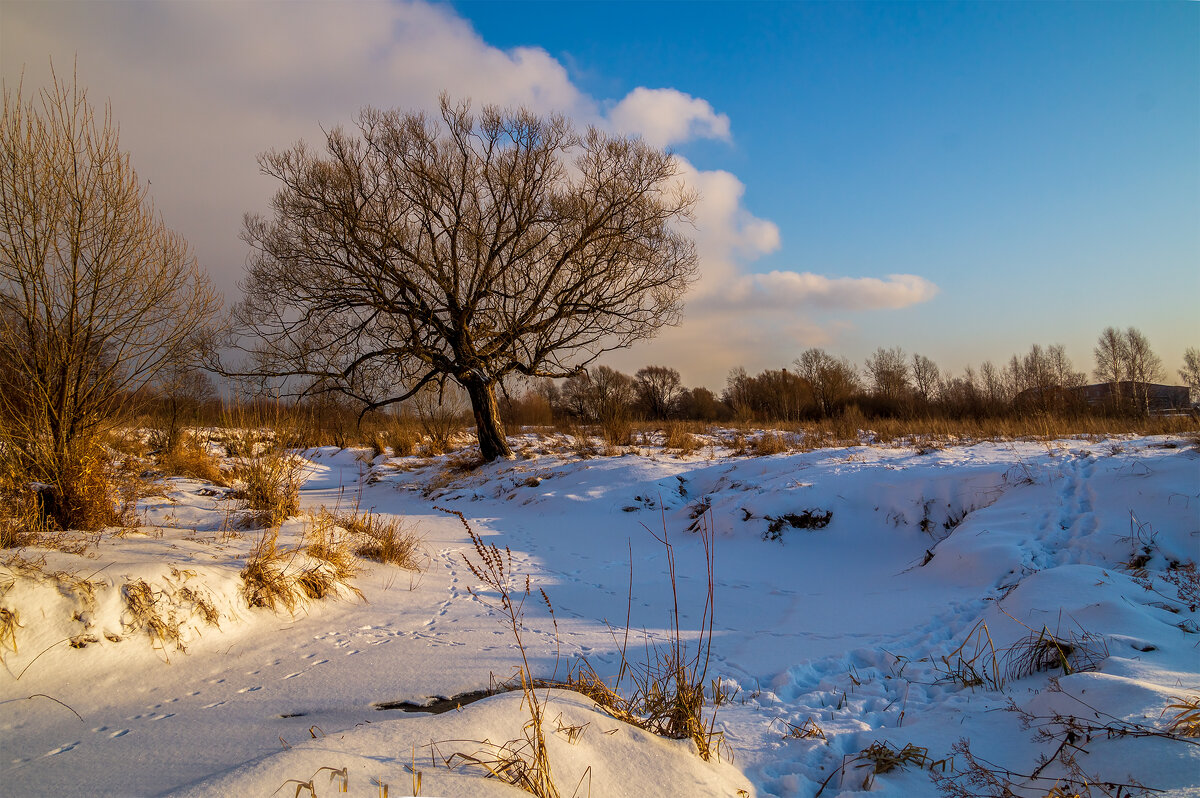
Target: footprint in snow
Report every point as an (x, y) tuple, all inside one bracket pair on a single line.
[(119, 733), (62, 749), (250, 689), (293, 675), (214, 704)]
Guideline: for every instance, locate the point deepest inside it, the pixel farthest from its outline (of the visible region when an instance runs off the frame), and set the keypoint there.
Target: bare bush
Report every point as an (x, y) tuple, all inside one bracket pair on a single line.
[(96, 294)]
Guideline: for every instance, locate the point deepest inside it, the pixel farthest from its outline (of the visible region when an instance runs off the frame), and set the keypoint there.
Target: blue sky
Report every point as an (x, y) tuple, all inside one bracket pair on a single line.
[(1039, 162), (1029, 171)]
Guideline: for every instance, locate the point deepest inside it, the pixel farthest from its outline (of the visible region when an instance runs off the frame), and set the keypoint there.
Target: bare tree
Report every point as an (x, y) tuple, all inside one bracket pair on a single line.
[(996, 389), (926, 376), (658, 388), (1143, 367), (612, 394), (1112, 354), (888, 373), (833, 380), (463, 247), (96, 294), (1190, 373), (1112, 363)]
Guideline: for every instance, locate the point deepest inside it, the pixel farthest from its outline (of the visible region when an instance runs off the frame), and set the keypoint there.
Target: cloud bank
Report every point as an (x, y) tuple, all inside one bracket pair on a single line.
[(665, 116), (200, 89), (779, 290)]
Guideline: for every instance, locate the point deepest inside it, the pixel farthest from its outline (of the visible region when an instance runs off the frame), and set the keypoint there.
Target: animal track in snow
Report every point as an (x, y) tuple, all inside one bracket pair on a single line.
[(62, 749)]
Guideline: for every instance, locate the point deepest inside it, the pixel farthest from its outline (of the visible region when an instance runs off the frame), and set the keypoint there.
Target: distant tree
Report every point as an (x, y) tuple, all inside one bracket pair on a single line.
[(658, 388), (962, 396), (601, 394), (738, 393), (833, 380), (1143, 366), (1112, 363), (994, 387), (1063, 373), (613, 394), (465, 247), (182, 387), (701, 404), (574, 397), (97, 296), (1045, 379), (1190, 373), (926, 376), (887, 370)]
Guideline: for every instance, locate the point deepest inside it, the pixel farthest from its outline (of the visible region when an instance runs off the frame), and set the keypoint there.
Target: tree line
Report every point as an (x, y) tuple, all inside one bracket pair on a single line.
[(890, 383)]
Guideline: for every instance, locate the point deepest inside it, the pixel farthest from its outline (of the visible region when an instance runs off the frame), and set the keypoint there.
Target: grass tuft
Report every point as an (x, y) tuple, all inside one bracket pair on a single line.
[(141, 602), (10, 622), (380, 539), (1185, 723), (276, 577), (269, 486), (189, 457)]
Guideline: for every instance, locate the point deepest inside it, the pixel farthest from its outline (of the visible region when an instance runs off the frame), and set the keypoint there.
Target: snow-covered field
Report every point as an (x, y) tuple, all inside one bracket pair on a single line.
[(912, 618)]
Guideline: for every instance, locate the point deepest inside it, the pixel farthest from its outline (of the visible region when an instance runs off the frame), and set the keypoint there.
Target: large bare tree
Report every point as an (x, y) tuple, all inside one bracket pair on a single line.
[(461, 246), (96, 294)]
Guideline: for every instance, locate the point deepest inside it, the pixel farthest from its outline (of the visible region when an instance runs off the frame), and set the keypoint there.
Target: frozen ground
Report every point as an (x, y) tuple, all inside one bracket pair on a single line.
[(872, 628)]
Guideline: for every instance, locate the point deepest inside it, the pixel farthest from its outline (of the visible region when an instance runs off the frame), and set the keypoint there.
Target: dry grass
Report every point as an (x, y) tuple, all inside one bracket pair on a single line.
[(264, 582), (10, 622), (276, 577), (808, 730), (1044, 651), (523, 763), (268, 484), (852, 428), (677, 437), (975, 663), (191, 458), (22, 522), (883, 757), (1185, 723), (769, 443), (380, 539), (141, 604), (667, 696)]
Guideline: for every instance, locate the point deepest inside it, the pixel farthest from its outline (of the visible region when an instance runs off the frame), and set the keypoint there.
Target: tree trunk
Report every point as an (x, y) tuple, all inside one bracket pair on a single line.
[(488, 426)]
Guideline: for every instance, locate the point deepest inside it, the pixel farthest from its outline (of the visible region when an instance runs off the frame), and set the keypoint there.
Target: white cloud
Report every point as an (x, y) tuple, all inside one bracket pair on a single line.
[(663, 117), (786, 290), (201, 88)]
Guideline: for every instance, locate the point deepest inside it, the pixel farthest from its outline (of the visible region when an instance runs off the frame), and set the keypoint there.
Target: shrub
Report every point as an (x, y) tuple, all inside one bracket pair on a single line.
[(769, 443), (270, 484), (678, 438), (382, 540), (276, 577), (189, 457)]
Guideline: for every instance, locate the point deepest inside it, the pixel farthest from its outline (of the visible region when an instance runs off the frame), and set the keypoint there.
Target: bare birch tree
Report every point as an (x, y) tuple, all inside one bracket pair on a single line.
[(96, 294), (463, 247), (1190, 373)]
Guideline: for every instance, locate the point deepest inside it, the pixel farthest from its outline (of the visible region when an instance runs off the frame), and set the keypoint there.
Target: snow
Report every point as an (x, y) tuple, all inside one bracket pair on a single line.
[(847, 625)]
